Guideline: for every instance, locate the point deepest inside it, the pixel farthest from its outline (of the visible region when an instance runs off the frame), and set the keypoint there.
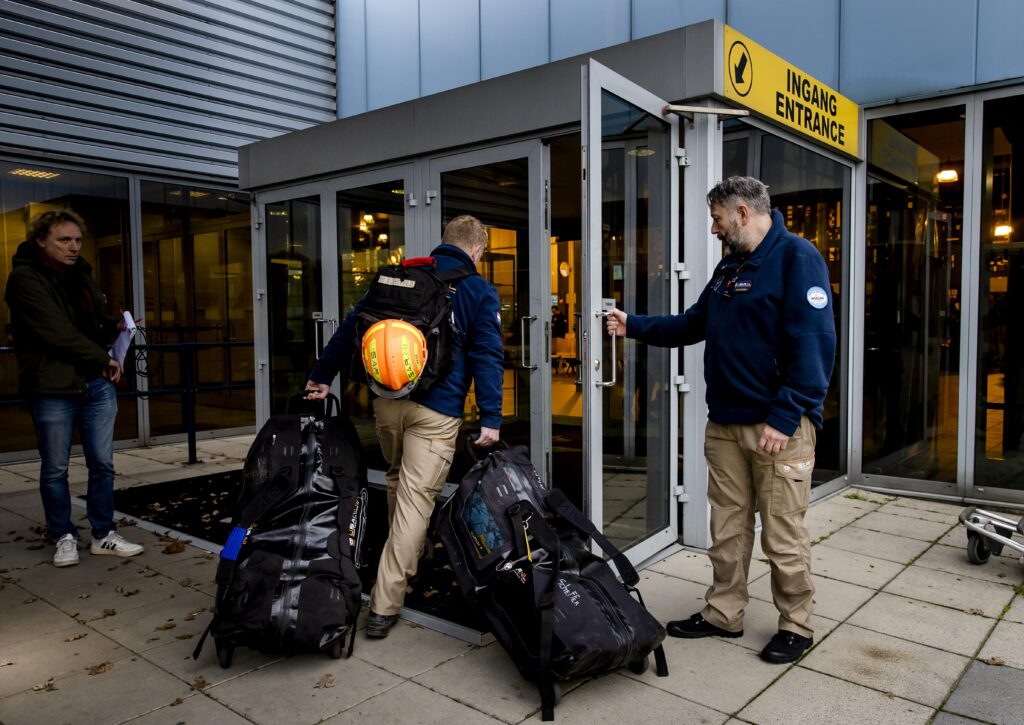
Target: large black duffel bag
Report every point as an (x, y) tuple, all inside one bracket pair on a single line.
[(557, 609), (288, 575)]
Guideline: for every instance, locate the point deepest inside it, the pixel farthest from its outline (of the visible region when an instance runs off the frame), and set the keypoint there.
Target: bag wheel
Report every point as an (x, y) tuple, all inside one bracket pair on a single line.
[(978, 550), (640, 666), (336, 648), (224, 654)]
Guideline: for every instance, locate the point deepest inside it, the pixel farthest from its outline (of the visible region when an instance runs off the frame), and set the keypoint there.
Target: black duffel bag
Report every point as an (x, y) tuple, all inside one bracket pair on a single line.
[(557, 609)]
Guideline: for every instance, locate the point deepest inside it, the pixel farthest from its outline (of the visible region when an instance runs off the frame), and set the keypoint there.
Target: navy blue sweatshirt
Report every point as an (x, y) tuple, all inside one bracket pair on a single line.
[(477, 351), (770, 339)]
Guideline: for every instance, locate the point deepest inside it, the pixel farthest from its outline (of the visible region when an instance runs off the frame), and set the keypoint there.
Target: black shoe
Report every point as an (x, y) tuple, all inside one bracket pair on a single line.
[(696, 626), (785, 647), (378, 625)]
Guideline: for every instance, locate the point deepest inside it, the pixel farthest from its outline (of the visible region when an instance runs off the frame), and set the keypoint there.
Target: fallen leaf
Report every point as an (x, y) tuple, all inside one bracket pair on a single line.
[(192, 615), (99, 669), (73, 637), (125, 592), (185, 636), (177, 701), (30, 600), (83, 596), (149, 573), (891, 695), (5, 663), (994, 661), (187, 582), (975, 611), (200, 683), (47, 686), (174, 547), (324, 682), (1001, 575), (152, 639), (164, 626), (124, 521)]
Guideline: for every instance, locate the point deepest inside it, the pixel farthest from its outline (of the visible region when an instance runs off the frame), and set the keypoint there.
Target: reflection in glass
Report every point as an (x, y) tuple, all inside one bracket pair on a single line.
[(371, 234), (634, 222), (498, 195), (293, 294), (102, 201), (1000, 415), (813, 194), (912, 295), (197, 262)]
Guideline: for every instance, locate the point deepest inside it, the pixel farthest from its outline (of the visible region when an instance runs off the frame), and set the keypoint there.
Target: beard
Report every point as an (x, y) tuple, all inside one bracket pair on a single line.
[(732, 241)]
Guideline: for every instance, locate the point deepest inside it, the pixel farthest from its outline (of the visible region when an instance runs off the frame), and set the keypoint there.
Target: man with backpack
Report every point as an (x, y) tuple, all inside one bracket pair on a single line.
[(417, 430)]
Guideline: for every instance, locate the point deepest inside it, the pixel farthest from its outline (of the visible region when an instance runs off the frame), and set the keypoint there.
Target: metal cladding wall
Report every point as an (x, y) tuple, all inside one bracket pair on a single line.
[(169, 85)]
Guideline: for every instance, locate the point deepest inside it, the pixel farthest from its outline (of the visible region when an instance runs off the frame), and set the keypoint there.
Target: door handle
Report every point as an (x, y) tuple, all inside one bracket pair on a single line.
[(603, 315), (318, 324), (522, 342)]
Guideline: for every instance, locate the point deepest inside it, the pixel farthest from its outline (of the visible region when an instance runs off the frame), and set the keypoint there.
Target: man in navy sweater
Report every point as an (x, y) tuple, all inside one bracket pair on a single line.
[(417, 434), (766, 321)]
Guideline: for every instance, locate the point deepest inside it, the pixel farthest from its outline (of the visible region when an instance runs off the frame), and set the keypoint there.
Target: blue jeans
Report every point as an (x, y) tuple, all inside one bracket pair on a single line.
[(56, 417)]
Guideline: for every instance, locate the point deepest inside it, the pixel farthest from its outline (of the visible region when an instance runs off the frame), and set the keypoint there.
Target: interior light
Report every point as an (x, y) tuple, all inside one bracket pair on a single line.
[(175, 192), (382, 237), (1003, 230), (198, 194), (278, 212), (947, 175), (363, 228), (641, 152), (398, 191), (563, 269), (368, 218), (34, 173)]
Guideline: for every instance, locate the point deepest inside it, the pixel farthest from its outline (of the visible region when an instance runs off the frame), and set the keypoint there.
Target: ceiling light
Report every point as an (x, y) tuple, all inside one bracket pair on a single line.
[(641, 152), (368, 218), (1003, 230), (198, 194), (398, 191), (947, 175), (34, 173), (278, 212)]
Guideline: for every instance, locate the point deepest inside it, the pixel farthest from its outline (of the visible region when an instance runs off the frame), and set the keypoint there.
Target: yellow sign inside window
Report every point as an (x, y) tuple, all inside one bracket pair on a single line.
[(765, 83)]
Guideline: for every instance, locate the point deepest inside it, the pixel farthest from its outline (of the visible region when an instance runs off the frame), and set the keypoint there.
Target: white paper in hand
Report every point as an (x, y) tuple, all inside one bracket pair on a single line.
[(120, 346)]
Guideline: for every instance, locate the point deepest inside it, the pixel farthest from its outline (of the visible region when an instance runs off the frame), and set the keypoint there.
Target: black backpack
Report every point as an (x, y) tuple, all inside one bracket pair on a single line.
[(519, 551), (288, 576), (415, 292)]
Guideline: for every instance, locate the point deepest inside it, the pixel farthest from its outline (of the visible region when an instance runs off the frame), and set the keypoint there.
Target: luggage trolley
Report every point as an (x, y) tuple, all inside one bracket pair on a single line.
[(988, 533)]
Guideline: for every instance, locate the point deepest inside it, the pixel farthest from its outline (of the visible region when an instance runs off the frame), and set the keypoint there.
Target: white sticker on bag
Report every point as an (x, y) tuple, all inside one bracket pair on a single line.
[(817, 298)]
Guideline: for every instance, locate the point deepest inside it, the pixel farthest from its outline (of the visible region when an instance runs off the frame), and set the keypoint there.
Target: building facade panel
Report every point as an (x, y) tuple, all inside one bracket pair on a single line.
[(657, 16), (578, 26), (513, 36), (392, 52), (999, 56), (169, 86), (450, 44), (351, 29)]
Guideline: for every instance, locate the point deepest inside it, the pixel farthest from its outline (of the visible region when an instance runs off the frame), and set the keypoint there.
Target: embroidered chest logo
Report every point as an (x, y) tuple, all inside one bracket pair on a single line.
[(742, 285)]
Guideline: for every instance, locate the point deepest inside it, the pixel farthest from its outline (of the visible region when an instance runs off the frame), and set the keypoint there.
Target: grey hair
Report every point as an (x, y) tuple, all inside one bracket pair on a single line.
[(743, 189), (466, 232)]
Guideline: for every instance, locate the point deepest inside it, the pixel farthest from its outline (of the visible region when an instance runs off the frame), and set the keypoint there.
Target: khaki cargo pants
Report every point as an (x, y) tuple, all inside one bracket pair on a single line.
[(418, 444), (744, 480)]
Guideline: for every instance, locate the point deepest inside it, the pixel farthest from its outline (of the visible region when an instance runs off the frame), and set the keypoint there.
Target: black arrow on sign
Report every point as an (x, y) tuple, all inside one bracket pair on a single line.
[(740, 69)]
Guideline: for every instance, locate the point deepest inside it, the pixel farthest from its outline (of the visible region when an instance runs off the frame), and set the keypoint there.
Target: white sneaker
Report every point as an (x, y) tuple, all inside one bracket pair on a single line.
[(113, 544), (67, 551)]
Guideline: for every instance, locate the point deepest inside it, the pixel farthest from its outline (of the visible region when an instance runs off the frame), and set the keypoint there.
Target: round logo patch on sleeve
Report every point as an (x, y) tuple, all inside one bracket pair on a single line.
[(817, 298)]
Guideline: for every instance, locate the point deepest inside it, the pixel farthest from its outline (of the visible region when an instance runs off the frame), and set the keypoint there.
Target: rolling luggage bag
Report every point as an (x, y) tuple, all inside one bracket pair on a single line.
[(288, 578), (557, 609)]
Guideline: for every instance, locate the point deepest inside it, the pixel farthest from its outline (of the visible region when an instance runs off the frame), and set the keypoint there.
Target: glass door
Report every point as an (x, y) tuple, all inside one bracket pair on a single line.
[(630, 411), (501, 187)]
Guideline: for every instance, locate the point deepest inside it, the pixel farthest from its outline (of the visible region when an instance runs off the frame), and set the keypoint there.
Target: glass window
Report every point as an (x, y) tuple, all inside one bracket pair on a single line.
[(912, 294), (27, 189), (1000, 414), (199, 311)]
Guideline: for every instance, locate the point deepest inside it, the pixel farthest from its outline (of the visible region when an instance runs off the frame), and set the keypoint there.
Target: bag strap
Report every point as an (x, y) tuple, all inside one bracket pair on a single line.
[(561, 505), (455, 274)]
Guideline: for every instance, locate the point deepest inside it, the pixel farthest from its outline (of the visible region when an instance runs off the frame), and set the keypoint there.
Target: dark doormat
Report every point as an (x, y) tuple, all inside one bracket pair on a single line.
[(202, 507)]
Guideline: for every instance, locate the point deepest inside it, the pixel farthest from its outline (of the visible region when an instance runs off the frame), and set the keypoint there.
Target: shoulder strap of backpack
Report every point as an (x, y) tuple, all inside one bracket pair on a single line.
[(558, 502), (454, 275)]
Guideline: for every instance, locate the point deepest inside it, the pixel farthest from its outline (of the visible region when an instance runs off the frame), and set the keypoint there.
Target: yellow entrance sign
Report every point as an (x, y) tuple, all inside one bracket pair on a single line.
[(763, 82)]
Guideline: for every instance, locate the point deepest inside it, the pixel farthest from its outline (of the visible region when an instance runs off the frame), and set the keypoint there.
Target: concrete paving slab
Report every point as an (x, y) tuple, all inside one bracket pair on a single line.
[(761, 622), (1016, 611), (26, 503), (25, 616), (485, 679), (195, 708), (944, 718), (896, 508), (287, 691), (854, 568), (996, 569), (924, 504), (902, 526), (833, 599), (416, 705), (130, 688), (617, 699), (936, 626), (160, 623), (906, 669), (28, 469), (951, 590), (877, 544), (409, 650), (11, 482), (982, 694), (175, 656), (827, 518), (712, 672), (804, 697), (59, 654), (668, 598), (137, 467), (1006, 644), (696, 567), (171, 455)]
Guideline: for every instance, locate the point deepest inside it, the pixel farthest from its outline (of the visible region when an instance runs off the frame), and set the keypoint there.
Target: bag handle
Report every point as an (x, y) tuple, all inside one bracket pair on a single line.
[(472, 448), (320, 408)]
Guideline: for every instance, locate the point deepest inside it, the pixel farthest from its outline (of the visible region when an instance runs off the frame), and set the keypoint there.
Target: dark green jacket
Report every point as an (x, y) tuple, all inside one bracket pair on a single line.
[(54, 356)]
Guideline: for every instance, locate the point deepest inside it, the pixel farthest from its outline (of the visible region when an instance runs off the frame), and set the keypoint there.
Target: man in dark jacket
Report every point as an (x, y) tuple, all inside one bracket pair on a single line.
[(417, 434), (766, 321), (61, 336)]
